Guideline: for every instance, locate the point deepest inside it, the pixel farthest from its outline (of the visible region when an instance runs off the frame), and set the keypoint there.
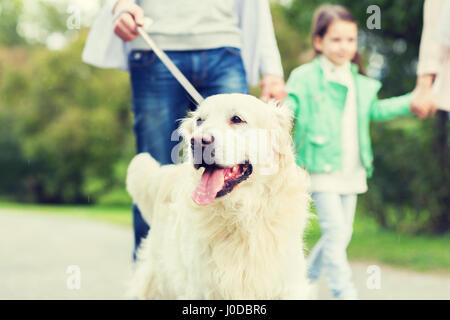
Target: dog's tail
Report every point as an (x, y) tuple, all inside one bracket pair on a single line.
[(142, 182)]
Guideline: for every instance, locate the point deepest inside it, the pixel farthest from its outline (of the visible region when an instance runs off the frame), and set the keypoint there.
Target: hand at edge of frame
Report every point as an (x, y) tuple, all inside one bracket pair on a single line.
[(423, 102)]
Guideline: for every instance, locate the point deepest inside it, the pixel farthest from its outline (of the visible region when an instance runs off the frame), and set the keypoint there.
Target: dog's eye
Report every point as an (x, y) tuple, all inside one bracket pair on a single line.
[(236, 119), (199, 121)]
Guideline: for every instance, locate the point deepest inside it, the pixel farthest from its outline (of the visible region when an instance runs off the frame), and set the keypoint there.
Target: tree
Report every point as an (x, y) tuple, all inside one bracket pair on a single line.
[(70, 134), (10, 11)]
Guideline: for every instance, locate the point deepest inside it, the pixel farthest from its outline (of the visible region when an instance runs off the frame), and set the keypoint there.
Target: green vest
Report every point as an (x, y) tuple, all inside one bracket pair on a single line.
[(318, 105)]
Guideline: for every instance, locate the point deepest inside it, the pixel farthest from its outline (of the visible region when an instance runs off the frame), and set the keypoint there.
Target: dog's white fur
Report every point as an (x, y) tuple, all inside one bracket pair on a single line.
[(245, 245)]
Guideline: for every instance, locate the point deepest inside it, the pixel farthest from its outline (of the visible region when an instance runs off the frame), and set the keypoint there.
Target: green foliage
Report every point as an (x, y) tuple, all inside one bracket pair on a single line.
[(52, 16), (410, 185), (10, 11), (69, 133)]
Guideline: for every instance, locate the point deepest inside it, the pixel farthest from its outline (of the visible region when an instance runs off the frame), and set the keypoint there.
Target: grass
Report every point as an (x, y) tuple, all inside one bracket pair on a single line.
[(120, 215), (369, 241)]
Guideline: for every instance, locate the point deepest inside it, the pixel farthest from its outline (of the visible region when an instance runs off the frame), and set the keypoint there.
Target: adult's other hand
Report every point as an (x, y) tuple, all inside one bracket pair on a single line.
[(423, 100), (272, 87)]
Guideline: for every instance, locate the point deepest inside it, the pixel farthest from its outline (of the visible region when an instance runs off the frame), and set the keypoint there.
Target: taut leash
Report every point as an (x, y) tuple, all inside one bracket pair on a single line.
[(168, 63)]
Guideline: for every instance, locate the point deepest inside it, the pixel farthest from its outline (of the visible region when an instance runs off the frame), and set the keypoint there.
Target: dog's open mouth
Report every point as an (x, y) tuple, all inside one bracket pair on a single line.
[(217, 181)]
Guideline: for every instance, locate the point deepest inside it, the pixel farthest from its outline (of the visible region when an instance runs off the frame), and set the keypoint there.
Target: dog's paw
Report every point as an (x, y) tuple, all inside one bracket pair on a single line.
[(140, 161), (139, 164), (140, 170)]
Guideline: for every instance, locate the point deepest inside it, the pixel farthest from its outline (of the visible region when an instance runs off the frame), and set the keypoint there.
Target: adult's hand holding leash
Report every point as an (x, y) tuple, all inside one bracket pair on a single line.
[(127, 17), (129, 22)]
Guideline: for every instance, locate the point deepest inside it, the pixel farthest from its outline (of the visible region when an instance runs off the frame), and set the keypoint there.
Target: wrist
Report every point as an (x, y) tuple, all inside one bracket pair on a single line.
[(121, 4), (271, 78), (425, 81)]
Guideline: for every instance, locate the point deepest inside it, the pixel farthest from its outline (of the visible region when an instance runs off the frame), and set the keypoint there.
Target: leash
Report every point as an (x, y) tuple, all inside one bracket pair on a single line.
[(168, 63)]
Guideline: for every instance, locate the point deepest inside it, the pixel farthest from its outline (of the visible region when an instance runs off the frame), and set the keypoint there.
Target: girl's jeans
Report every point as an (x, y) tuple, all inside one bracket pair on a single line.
[(336, 213), (159, 100)]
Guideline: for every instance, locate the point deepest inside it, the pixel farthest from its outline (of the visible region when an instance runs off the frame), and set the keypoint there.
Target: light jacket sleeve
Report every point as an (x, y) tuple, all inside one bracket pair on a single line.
[(103, 48), (259, 47), (431, 50), (386, 109)]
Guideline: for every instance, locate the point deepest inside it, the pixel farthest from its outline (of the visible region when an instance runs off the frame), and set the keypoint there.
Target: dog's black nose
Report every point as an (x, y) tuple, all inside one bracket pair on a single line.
[(203, 149), (206, 139)]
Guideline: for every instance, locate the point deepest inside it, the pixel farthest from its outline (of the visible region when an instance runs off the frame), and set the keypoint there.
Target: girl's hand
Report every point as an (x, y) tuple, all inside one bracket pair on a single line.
[(125, 24)]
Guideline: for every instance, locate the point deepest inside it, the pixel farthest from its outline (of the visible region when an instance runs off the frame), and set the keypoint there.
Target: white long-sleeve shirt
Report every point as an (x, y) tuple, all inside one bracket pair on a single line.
[(352, 178), (258, 45), (434, 53)]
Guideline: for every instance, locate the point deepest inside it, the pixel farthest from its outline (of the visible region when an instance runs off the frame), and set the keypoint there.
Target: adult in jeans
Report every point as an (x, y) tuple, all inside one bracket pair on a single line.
[(219, 45)]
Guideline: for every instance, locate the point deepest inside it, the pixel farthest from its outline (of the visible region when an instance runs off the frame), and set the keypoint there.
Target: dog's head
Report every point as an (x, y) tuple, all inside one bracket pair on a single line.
[(236, 140)]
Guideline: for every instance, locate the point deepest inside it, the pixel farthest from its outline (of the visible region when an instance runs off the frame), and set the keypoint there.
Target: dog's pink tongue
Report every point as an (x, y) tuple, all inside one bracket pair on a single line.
[(211, 182)]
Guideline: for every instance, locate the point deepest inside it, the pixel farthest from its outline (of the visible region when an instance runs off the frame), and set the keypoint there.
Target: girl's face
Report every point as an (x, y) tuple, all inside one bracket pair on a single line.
[(339, 44)]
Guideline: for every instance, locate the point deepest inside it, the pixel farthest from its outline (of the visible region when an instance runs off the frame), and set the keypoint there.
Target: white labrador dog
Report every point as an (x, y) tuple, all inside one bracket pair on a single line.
[(228, 222)]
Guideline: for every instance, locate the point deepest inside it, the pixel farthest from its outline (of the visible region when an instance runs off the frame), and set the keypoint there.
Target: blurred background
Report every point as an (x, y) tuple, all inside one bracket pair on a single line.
[(66, 128)]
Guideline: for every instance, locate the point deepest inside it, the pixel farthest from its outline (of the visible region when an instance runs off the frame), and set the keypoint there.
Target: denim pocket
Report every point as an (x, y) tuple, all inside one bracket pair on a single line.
[(233, 50), (317, 150), (141, 58)]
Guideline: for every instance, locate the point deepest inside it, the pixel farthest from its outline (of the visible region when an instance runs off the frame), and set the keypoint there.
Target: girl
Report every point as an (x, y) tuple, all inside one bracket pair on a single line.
[(333, 103)]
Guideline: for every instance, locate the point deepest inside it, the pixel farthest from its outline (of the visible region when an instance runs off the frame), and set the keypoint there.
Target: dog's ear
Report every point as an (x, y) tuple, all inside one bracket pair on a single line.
[(186, 127), (282, 144), (185, 130), (284, 115)]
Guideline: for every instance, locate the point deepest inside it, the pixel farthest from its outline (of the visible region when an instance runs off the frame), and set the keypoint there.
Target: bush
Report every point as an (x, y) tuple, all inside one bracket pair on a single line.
[(410, 186), (66, 127)]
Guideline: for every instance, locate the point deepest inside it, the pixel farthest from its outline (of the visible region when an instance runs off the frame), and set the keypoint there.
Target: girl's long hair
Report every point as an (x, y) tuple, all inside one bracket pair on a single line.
[(323, 17)]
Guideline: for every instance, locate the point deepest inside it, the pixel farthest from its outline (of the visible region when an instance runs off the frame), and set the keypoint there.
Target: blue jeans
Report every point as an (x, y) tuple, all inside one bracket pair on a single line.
[(159, 100), (336, 214)]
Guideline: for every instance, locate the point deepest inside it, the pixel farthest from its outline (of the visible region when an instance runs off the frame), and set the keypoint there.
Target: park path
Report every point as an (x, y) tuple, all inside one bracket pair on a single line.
[(36, 251)]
